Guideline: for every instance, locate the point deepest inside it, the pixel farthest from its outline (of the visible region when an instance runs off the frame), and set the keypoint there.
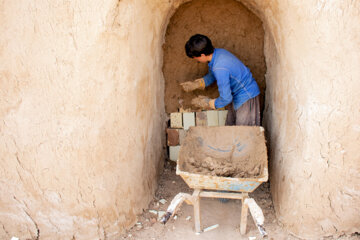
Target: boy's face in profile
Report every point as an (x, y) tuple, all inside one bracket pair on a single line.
[(202, 58)]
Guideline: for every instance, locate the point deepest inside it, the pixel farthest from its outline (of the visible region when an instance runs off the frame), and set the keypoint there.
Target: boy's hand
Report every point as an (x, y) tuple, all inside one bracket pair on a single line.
[(192, 85), (203, 102)]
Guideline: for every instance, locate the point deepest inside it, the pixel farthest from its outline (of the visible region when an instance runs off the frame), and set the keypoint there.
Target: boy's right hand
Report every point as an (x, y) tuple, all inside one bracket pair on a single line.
[(201, 102), (192, 85)]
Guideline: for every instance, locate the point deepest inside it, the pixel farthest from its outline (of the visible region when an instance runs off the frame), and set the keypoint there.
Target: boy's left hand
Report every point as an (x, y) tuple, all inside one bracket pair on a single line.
[(193, 85)]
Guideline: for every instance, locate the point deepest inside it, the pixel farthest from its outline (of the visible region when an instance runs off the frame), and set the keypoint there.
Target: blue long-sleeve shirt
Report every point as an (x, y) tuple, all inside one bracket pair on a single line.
[(235, 81)]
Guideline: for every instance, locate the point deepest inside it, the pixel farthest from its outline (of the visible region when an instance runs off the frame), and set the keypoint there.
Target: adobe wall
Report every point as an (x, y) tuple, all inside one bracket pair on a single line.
[(312, 114), (81, 111)]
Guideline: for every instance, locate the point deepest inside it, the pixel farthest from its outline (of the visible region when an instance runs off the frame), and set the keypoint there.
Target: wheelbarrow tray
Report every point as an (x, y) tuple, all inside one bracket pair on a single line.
[(200, 181), (245, 135)]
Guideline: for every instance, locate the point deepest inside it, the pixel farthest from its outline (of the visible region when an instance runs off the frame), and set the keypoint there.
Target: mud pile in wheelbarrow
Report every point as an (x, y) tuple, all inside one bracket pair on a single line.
[(227, 151)]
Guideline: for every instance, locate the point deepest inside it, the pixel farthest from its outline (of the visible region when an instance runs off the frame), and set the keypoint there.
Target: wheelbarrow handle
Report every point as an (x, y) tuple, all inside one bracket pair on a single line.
[(166, 218)]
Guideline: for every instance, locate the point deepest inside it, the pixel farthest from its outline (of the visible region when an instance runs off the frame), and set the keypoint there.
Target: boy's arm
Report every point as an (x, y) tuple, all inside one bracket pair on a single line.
[(223, 81), (209, 79)]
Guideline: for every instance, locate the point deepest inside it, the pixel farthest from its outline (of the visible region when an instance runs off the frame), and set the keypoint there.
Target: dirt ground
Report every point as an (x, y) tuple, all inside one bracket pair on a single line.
[(227, 215)]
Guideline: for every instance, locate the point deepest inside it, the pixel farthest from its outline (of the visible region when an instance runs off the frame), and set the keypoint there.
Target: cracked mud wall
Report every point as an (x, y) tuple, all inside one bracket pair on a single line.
[(82, 116)]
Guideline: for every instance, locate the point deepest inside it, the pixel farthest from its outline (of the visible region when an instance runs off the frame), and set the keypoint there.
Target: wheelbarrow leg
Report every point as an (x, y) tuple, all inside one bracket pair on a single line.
[(197, 219), (244, 213)]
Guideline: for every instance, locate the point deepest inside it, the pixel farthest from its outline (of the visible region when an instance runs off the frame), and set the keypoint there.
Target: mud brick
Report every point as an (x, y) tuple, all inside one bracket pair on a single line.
[(174, 152), (201, 119), (176, 120), (212, 118), (222, 117), (172, 136), (182, 135), (188, 119)]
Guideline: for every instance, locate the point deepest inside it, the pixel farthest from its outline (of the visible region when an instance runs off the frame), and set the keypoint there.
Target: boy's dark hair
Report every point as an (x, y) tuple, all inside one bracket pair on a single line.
[(197, 45)]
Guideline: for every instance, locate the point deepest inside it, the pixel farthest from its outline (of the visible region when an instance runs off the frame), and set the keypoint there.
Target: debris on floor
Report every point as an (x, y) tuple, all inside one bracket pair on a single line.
[(213, 212), (211, 228), (153, 212)]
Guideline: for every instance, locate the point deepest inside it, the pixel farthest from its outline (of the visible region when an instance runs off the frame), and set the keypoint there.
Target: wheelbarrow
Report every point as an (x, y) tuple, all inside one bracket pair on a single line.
[(239, 146)]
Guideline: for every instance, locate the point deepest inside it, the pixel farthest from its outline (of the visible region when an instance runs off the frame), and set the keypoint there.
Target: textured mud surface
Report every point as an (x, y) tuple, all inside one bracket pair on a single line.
[(229, 25), (238, 152)]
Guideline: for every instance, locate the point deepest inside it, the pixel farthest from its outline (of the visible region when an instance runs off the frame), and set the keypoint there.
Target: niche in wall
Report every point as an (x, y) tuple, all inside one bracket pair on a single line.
[(230, 25)]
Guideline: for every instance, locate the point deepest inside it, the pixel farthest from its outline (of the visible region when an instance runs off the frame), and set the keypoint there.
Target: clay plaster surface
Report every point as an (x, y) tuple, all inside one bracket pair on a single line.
[(81, 116), (81, 109), (312, 114)]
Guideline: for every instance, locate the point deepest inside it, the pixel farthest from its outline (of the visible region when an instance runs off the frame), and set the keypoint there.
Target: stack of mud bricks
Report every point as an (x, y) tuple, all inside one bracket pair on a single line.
[(180, 122)]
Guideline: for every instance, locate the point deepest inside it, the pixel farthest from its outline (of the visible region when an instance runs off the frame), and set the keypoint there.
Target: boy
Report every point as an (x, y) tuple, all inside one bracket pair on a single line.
[(235, 82)]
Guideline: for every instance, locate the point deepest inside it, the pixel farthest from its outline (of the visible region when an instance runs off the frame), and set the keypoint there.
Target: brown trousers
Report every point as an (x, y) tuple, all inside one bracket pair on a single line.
[(247, 114)]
